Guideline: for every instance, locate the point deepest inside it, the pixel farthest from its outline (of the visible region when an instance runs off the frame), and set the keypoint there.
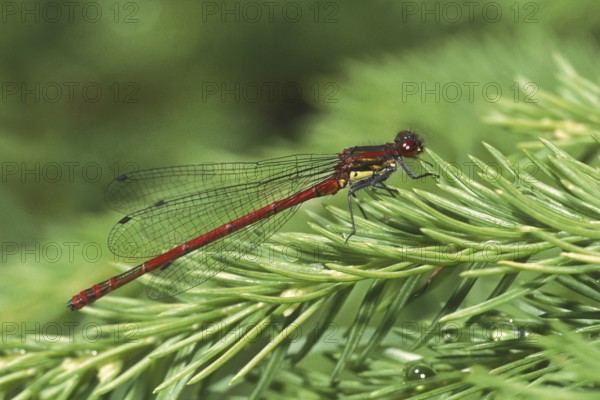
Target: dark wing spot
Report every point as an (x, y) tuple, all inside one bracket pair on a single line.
[(122, 178), (165, 265), (124, 220), (159, 203)]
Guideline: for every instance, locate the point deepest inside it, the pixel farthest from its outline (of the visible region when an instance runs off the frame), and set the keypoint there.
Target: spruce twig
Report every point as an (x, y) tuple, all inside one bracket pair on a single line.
[(526, 235)]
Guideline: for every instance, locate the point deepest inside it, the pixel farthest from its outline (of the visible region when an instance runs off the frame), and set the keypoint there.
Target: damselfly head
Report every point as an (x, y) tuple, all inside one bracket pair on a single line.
[(408, 144)]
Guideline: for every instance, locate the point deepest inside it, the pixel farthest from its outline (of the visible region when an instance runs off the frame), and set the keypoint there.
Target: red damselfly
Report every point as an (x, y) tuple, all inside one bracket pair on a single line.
[(175, 211)]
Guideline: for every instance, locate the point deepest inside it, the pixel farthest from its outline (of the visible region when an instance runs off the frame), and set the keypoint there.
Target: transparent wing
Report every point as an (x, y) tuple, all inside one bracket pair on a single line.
[(143, 189), (182, 203), (196, 267)]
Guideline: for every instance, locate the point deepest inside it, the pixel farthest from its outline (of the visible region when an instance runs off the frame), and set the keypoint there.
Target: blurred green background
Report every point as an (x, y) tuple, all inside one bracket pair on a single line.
[(93, 89)]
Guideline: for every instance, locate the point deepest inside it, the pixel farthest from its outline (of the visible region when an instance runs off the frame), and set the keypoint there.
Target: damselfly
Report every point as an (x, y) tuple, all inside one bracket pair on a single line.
[(174, 212)]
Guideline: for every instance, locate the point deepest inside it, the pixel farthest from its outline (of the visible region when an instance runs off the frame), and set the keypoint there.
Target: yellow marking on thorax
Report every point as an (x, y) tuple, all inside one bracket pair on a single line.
[(358, 175)]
